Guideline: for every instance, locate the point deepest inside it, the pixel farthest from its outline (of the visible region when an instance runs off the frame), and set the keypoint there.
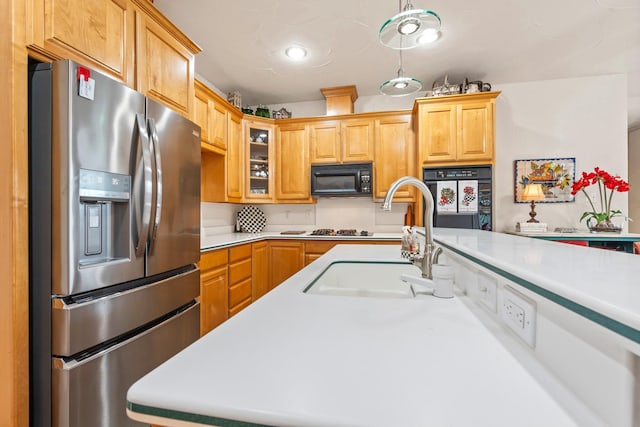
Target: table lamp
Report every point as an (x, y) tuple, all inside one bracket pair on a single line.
[(533, 192)]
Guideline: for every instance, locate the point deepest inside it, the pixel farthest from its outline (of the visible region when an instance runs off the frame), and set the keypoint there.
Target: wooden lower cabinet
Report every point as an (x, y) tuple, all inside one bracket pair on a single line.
[(231, 279), (214, 278), (286, 257), (239, 278), (315, 249), (259, 269)]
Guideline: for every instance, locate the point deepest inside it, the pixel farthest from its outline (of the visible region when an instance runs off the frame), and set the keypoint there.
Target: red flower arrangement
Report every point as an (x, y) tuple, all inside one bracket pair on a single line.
[(605, 182)]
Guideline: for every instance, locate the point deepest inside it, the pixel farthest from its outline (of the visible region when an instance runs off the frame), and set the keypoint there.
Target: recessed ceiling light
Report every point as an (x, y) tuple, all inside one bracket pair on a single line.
[(296, 52)]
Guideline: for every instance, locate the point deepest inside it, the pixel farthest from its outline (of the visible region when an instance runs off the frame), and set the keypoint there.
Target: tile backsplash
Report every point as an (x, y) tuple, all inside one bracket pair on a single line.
[(336, 213)]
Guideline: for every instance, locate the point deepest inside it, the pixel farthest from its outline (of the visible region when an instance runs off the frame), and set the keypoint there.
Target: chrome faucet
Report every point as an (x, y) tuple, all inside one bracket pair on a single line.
[(431, 251)]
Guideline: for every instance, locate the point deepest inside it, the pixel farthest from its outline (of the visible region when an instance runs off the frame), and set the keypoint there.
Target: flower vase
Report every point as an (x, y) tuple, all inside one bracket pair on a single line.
[(605, 226)]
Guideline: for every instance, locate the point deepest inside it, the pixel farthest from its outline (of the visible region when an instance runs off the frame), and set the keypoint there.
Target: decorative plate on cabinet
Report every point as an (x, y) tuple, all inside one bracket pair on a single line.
[(252, 219)]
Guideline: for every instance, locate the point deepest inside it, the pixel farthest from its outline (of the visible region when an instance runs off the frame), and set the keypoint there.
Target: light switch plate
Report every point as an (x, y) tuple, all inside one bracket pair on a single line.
[(487, 291)]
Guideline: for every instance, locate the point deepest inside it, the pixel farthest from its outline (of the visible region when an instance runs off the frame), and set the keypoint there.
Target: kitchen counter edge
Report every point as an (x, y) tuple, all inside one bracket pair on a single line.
[(219, 241)]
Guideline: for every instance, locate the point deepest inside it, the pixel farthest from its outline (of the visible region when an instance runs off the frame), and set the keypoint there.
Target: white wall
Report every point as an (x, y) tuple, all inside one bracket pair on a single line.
[(585, 118), (634, 180)]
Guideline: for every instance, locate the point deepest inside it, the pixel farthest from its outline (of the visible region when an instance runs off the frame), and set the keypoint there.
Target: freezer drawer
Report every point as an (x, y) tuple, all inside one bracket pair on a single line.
[(77, 326), (93, 392)]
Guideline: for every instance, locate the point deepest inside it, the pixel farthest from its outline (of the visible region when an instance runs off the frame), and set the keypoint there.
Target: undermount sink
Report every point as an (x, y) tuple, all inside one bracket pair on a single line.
[(365, 279)]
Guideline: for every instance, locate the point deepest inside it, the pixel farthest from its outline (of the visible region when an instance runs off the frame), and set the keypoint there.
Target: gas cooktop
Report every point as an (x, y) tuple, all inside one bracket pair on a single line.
[(341, 232)]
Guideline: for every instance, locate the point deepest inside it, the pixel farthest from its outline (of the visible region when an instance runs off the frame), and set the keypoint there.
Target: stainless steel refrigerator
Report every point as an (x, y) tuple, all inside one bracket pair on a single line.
[(114, 208)]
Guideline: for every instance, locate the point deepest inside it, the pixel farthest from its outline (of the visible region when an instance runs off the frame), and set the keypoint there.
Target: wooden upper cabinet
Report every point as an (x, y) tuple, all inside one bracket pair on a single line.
[(210, 113), (456, 129), (357, 136), (437, 130), (128, 39), (341, 141), (218, 119), (324, 144), (292, 163), (201, 108), (92, 32), (164, 60), (475, 131), (234, 158), (394, 155), (259, 140), (222, 171)]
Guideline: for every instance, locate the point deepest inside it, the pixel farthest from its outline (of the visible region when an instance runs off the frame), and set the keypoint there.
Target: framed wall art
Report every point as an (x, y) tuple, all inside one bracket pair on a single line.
[(555, 175)]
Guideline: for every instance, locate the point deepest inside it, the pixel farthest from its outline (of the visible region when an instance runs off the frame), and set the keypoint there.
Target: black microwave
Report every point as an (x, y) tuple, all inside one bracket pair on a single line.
[(348, 179)]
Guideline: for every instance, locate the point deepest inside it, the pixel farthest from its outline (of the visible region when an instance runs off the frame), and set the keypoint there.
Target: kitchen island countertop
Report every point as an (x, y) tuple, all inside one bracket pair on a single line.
[(296, 359)]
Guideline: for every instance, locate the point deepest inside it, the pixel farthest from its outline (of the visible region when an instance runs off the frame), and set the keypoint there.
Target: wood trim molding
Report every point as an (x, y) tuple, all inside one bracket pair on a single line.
[(14, 256), (340, 99), (348, 91), (368, 115)]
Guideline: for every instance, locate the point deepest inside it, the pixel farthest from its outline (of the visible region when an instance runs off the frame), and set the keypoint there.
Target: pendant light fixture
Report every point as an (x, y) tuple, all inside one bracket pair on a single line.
[(401, 85), (410, 27)]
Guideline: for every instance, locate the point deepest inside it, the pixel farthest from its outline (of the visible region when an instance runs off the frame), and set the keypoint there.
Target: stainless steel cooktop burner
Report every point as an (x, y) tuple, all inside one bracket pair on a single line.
[(341, 232)]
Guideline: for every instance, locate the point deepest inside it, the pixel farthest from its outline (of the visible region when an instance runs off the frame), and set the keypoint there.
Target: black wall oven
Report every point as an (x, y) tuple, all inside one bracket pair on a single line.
[(348, 179), (462, 196)]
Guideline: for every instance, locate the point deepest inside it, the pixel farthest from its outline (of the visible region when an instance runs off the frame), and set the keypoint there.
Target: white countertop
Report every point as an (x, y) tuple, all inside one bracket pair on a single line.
[(217, 241), (604, 283), (295, 359)]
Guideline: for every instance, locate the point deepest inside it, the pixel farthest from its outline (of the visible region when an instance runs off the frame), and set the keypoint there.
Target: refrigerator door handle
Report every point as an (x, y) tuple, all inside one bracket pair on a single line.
[(143, 140), (158, 162)]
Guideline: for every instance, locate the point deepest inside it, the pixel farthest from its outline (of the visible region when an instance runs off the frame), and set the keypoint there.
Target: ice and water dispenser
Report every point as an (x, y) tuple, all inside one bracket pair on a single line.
[(104, 212)]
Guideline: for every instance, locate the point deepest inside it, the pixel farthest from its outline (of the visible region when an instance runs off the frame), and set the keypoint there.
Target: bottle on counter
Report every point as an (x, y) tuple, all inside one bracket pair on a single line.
[(237, 227), (408, 217), (415, 242), (405, 243)]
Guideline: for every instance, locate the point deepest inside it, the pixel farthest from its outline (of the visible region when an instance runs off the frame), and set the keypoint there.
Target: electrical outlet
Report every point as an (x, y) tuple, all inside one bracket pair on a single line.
[(487, 290), (513, 312), (519, 314)]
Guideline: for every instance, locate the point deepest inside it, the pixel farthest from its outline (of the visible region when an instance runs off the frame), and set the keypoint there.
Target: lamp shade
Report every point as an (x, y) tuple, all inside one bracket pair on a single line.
[(405, 29), (400, 86), (533, 192)]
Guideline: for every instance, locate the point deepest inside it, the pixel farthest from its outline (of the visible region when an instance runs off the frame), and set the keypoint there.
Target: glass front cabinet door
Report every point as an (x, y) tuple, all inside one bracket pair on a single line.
[(259, 139)]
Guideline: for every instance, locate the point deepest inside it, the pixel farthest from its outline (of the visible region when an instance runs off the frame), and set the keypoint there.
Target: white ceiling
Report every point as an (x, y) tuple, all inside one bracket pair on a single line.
[(498, 41)]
